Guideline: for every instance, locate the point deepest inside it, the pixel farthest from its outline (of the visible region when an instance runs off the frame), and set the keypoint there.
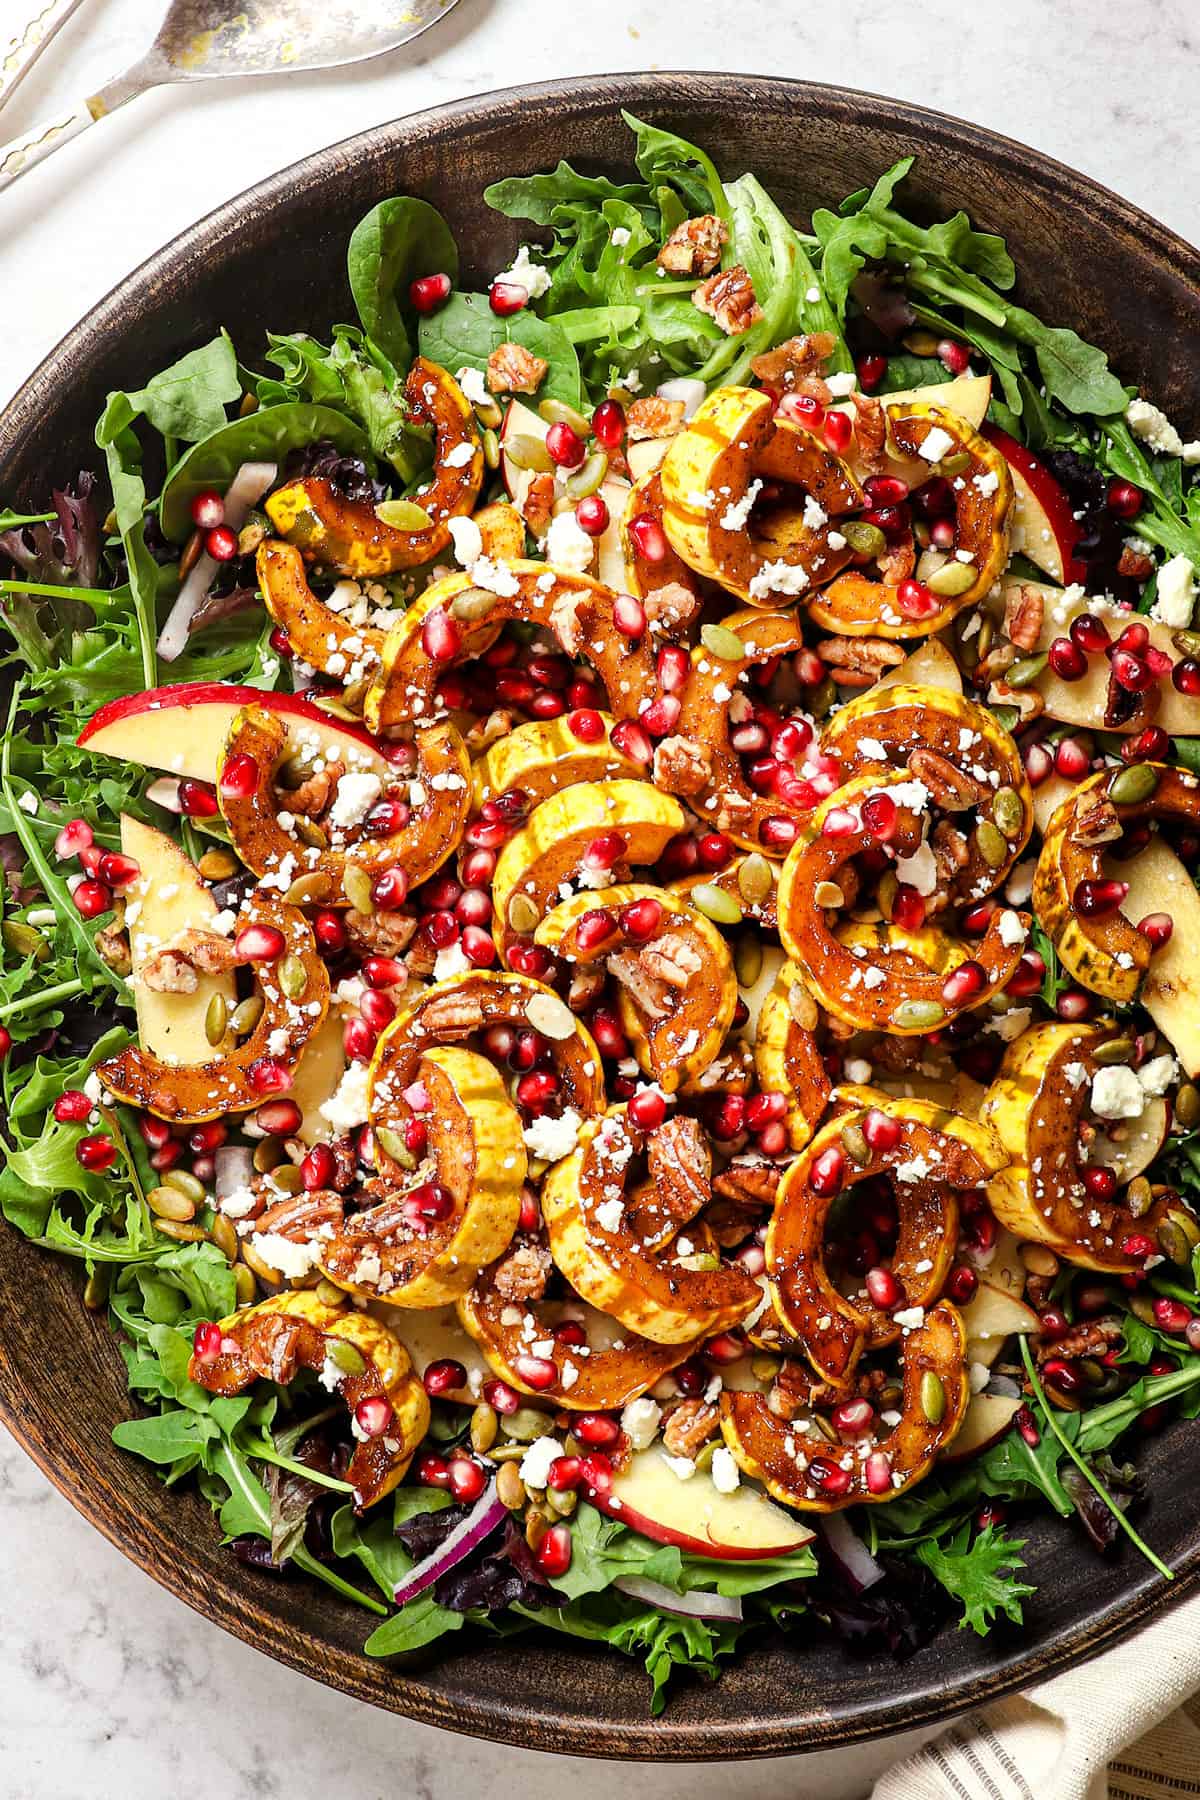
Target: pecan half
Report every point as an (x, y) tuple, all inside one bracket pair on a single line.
[(682, 766), (523, 1273), (680, 1164), (313, 797), (537, 506), (1096, 823), (870, 432), (789, 363), (301, 1216), (177, 967), (654, 417), (384, 933), (671, 607), (951, 789), (671, 959), (649, 995), (1135, 564), (728, 299), (694, 247), (751, 1180), (689, 1427), (1024, 611), (859, 661), (512, 369)]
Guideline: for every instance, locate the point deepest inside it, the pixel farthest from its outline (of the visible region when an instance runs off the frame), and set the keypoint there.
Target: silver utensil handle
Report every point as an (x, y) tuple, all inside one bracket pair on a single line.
[(20, 53), (34, 146)]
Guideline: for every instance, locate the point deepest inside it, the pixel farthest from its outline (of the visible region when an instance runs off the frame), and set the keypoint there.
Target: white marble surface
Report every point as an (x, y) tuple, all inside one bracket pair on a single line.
[(109, 1686)]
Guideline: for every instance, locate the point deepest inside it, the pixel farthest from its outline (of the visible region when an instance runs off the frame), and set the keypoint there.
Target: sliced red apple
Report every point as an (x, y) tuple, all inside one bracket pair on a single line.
[(1048, 796), (1139, 1142), (988, 1418), (1043, 526), (435, 1335), (610, 557), (1001, 1266), (519, 421), (321, 1067), (169, 897), (182, 729), (967, 396), (930, 666), (1083, 702), (649, 1497), (1170, 992), (645, 455), (995, 1314)]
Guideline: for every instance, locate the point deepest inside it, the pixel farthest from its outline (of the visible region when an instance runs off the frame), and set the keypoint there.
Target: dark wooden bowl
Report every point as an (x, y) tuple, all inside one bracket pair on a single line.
[(275, 257)]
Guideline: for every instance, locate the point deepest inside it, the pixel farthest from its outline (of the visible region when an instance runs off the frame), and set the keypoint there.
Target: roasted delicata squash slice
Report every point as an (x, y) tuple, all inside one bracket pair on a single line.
[(612, 1366), (456, 619), (787, 1056), (1077, 907), (436, 797), (316, 631), (750, 881), (545, 756), (591, 833), (464, 1006), (264, 1063), (627, 1257), (804, 1469), (348, 537), (855, 606), (643, 574), (716, 785), (352, 1353), (1035, 1107), (931, 1156), (712, 475), (677, 991), (890, 990), (968, 762), (417, 1247)]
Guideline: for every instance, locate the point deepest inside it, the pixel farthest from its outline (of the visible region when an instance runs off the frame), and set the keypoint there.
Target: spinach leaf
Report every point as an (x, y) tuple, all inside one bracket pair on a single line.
[(188, 400), (465, 331), (398, 241), (263, 436)]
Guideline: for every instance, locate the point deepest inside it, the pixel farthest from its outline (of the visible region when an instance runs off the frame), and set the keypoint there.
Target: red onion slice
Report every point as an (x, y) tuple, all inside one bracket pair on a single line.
[(479, 1523), (849, 1552), (693, 1605), (233, 1169), (245, 490)]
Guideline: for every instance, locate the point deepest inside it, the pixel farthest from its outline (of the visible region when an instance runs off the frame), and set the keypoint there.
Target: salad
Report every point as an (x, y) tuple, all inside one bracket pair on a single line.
[(599, 881)]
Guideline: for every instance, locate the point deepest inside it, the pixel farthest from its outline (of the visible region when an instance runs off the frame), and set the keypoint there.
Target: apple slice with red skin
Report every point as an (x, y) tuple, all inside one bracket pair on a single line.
[(182, 729), (1044, 527), (988, 1418), (694, 1514)]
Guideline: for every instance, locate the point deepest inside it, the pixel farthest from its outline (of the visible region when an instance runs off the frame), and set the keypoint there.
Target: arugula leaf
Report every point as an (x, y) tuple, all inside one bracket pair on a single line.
[(188, 400), (115, 435), (397, 242), (374, 395), (981, 1573), (562, 195), (666, 1642), (1054, 982)]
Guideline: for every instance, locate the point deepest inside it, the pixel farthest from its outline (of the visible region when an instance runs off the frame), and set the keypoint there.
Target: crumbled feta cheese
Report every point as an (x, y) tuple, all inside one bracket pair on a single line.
[(609, 1214), (1020, 883), (738, 511), (937, 442), (459, 456), (467, 540), (347, 1106), (814, 514), (778, 578), (1009, 1025), (1011, 930), (535, 1464), (291, 1259), (857, 1070), (1157, 1075), (842, 385), (978, 1376), (1117, 1093), (724, 1471), (987, 483), (28, 802), (473, 386), (910, 1317), (568, 545), (453, 960), (918, 870), (619, 235), (1175, 593), (682, 1467), (640, 1421), (1153, 427), (356, 795), (527, 274), (552, 1139)]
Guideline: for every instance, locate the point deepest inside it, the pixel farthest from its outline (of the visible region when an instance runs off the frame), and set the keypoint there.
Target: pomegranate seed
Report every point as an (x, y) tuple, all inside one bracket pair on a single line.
[(570, 1331), (884, 1290), (537, 1372), (597, 1472), (962, 1284), (915, 600), (197, 800), (1100, 1183), (116, 870), (629, 616), (1054, 1324), (715, 850), (1067, 660), (281, 644), (641, 919), (943, 534), (964, 983), (586, 724), (208, 510), (1172, 1315), (880, 816), (725, 1348), (441, 639), (259, 943), (592, 515), (564, 1474), (649, 538), (416, 1136), (827, 1173), (1158, 662), (428, 292), (1026, 1424), (467, 1479), (91, 899), (278, 1118), (1150, 745), (330, 932), (852, 1417), (386, 818), (597, 1430), (1093, 899), (605, 851), (765, 1109), (318, 1168), (267, 1076), (1185, 677), (837, 429), (1027, 977), (885, 490), (802, 409), (530, 959), (870, 371), (207, 1137), (1073, 1006), (206, 1341), (1157, 929), (671, 666), (390, 890), (374, 1415), (432, 1471), (565, 447), (878, 1471), (1072, 760), (507, 297), (1039, 764), (537, 1091), (1137, 1246), (383, 971), (610, 1039), (954, 356), (662, 715), (882, 1132), (473, 907), (1135, 638), (501, 1397), (358, 1039), (1089, 634), (908, 908), (221, 544), (553, 1554), (778, 833), (976, 919), (95, 1154), (773, 1139), (594, 928), (1059, 1372), (630, 740), (155, 1132), (1131, 672), (72, 1107), (1124, 500), (809, 668), (608, 423), (530, 1215), (239, 778), (830, 1477), (648, 1109), (75, 836), (478, 947), (729, 1118)]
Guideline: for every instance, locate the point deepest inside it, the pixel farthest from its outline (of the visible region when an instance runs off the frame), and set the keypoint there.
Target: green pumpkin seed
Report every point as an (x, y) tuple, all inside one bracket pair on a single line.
[(181, 1231), (885, 893), (1007, 717), (295, 770), (525, 452), (765, 1368), (702, 1261), (268, 1155), (933, 1397), (1139, 1197), (747, 959), (224, 1235), (328, 1292), (991, 844), (1173, 1244), (491, 449), (558, 412), (952, 579), (918, 1015), (286, 1178), (490, 414), (755, 878), (96, 1287), (525, 1424), (1026, 670), (1093, 1372), (921, 342), (392, 1144), (357, 886), (246, 1014), (863, 539), (217, 865), (523, 915), (403, 515), (1008, 811), (588, 477), (308, 890), (1187, 1105), (1116, 1050), (293, 977), (473, 604), (485, 1425), (168, 1203), (1186, 1223), (506, 1453), (245, 1285), (216, 1019), (310, 833), (855, 1145), (346, 1358), (1128, 787), (828, 893), (826, 1428), (722, 643), (25, 940), (1142, 1307), (957, 463), (185, 1183), (716, 904), (563, 1501), (510, 1489)]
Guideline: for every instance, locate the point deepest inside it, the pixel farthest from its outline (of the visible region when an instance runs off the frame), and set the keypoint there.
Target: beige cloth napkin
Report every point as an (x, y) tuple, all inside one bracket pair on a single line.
[(1125, 1726)]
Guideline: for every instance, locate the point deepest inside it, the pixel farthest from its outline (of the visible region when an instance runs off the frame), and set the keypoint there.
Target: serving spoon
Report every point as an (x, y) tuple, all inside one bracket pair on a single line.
[(206, 40)]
